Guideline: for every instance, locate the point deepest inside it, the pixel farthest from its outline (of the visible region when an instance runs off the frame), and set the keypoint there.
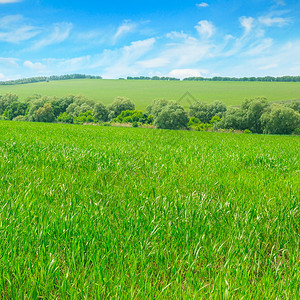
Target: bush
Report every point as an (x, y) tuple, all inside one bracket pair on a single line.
[(65, 118), (100, 112), (20, 119), (156, 107), (247, 131), (44, 114), (172, 116), (135, 124), (280, 120), (205, 112), (86, 117), (203, 127), (120, 104)]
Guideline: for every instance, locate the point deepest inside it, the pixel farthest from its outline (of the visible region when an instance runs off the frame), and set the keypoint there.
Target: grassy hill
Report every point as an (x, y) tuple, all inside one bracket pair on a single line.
[(144, 92), (95, 212)]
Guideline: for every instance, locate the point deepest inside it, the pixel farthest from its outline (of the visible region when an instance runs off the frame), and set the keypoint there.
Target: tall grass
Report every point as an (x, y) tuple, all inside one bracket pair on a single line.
[(131, 213)]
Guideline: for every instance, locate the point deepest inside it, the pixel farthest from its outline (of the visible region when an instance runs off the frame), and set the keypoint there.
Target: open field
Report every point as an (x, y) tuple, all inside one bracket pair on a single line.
[(144, 92), (95, 212)]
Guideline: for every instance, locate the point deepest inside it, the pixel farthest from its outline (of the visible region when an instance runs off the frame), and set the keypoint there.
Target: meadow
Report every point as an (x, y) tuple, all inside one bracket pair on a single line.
[(100, 212), (143, 92)]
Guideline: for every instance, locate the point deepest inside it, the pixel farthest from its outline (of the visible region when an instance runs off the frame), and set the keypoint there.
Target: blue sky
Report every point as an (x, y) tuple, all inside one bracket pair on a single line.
[(166, 38)]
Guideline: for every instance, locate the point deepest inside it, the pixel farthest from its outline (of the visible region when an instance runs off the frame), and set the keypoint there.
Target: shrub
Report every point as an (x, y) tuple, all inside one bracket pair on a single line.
[(172, 116), (247, 131), (156, 107), (86, 117), (100, 112), (280, 120), (120, 104), (205, 112), (20, 119), (44, 114), (135, 124), (64, 118)]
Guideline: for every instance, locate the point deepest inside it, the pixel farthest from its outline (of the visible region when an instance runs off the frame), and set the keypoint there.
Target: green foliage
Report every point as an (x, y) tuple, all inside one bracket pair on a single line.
[(20, 119), (202, 126), (44, 114), (64, 118), (131, 116), (215, 120), (205, 112), (135, 124), (15, 109), (247, 131), (193, 121), (120, 104), (156, 107), (100, 112), (86, 117), (295, 105), (6, 100), (172, 116), (280, 120), (248, 116)]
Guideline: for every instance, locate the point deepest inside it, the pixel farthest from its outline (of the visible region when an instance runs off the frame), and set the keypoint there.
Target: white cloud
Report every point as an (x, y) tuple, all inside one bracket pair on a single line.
[(203, 4), (247, 23), (2, 77), (177, 35), (269, 21), (60, 33), (9, 1), (205, 28), (125, 28), (259, 47), (13, 29), (10, 62), (184, 73), (34, 66)]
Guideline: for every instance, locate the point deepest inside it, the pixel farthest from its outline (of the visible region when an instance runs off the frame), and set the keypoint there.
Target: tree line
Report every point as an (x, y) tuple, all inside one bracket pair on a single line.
[(253, 116), (47, 79), (265, 79)]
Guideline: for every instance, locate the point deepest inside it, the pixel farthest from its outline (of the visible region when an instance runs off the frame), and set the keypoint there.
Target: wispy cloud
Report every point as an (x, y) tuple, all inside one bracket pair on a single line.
[(205, 28), (247, 23), (10, 62), (9, 1), (125, 28), (274, 21), (14, 30), (203, 4), (60, 33)]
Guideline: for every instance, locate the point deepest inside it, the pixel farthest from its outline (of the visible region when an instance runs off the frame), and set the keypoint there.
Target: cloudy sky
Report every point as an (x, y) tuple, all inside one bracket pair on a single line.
[(158, 37)]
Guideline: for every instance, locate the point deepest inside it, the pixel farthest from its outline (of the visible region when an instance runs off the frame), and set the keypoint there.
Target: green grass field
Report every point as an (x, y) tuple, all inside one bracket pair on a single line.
[(130, 213), (144, 92)]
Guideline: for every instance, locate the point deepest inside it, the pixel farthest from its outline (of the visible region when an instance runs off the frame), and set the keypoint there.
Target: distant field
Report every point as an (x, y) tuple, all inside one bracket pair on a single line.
[(91, 212), (144, 92)]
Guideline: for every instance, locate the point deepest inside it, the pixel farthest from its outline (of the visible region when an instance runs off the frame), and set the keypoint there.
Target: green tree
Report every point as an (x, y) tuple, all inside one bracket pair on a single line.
[(172, 116), (120, 104), (100, 112), (44, 114), (156, 107), (16, 109), (6, 100), (280, 120)]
